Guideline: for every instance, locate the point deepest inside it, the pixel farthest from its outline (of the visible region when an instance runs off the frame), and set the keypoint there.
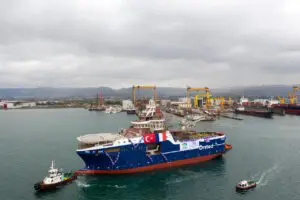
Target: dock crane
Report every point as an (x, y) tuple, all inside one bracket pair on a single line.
[(281, 100), (207, 94), (135, 87), (293, 98), (222, 103), (295, 89)]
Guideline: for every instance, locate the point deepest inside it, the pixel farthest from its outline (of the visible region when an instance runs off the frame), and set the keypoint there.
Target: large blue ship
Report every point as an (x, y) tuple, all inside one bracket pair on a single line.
[(147, 146)]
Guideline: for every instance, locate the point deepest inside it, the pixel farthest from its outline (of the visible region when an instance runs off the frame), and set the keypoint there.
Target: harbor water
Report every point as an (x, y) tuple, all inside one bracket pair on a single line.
[(266, 150)]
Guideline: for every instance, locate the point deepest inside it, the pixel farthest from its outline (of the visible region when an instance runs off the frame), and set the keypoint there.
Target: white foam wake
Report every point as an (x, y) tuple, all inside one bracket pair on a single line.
[(81, 184), (266, 176)]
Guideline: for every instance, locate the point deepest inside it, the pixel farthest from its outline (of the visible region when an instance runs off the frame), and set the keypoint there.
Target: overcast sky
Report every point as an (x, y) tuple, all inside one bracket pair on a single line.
[(213, 43)]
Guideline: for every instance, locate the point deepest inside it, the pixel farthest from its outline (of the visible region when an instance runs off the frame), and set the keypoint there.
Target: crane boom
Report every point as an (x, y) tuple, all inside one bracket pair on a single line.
[(135, 87), (293, 95), (207, 94)]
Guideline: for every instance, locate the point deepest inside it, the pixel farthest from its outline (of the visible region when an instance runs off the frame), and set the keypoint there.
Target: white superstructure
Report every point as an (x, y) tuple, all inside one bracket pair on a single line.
[(148, 118), (150, 110), (55, 176), (127, 105)]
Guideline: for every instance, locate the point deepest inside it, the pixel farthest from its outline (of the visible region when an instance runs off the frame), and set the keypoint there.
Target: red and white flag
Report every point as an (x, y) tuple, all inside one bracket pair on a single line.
[(149, 138)]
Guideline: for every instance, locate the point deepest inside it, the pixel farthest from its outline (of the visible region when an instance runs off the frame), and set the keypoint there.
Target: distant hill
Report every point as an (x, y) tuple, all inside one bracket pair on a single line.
[(125, 93)]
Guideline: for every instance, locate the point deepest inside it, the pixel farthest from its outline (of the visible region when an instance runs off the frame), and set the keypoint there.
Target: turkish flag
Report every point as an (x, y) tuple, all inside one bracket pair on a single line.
[(149, 138)]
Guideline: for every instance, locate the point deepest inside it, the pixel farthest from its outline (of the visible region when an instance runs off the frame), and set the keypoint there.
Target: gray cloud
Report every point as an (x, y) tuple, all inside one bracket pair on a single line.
[(167, 43)]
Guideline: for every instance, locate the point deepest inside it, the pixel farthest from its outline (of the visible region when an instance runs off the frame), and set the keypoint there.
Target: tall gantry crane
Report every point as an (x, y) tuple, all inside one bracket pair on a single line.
[(295, 89), (137, 87), (207, 95)]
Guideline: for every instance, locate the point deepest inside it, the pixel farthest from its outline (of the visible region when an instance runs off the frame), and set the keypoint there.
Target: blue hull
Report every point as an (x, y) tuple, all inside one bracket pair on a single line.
[(131, 157)]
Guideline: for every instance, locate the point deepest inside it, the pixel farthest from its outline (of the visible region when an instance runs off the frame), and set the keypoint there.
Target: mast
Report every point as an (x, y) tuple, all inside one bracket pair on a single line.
[(97, 99), (100, 98)]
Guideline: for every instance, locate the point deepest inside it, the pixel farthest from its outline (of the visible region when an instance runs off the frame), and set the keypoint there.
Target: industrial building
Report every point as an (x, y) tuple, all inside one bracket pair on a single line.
[(16, 104)]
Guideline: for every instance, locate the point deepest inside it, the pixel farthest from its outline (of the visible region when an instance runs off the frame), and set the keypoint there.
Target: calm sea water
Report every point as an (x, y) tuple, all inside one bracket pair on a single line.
[(265, 149)]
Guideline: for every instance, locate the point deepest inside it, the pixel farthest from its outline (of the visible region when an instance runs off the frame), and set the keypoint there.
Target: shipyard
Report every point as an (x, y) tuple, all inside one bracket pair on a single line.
[(147, 100), (145, 133)]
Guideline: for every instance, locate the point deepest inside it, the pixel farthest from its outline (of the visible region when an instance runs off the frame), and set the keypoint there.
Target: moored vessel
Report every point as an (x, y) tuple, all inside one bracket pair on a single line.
[(131, 111), (293, 109), (54, 179), (99, 106), (257, 113)]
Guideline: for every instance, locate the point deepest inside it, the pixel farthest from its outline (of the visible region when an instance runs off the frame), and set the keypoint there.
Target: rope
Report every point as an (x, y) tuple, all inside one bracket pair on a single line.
[(165, 157), (111, 160), (150, 158)]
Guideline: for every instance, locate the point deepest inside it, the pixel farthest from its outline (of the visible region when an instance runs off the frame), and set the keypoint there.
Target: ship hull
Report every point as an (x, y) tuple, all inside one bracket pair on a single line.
[(96, 109), (289, 108), (161, 166), (255, 113), (135, 159), (131, 112)]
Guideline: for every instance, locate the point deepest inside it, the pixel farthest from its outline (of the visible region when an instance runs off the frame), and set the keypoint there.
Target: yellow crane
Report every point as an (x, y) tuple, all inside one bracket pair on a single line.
[(196, 99), (292, 98), (281, 100), (295, 89), (222, 102), (207, 95), (136, 87)]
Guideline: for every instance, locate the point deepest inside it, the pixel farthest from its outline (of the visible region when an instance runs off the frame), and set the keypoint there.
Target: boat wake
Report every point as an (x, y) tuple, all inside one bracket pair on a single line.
[(117, 186), (85, 185), (184, 175), (263, 178), (81, 184)]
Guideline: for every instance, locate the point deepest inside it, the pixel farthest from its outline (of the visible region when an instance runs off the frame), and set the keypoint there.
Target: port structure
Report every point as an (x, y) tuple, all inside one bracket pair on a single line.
[(281, 100), (207, 95), (221, 102), (295, 89), (293, 98), (137, 87)]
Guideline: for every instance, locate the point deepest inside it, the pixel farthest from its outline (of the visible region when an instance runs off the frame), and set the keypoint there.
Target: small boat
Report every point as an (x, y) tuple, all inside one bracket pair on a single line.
[(54, 179), (131, 111), (245, 185), (228, 147)]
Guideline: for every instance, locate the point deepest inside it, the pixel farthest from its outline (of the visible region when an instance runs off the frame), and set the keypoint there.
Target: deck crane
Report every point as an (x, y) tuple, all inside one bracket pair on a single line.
[(207, 94), (135, 87)]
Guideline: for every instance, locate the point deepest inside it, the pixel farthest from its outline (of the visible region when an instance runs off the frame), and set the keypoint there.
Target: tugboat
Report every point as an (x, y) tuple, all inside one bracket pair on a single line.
[(55, 178), (245, 185)]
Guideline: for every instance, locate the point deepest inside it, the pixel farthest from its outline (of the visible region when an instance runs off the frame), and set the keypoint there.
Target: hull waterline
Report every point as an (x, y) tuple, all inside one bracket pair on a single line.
[(161, 166)]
